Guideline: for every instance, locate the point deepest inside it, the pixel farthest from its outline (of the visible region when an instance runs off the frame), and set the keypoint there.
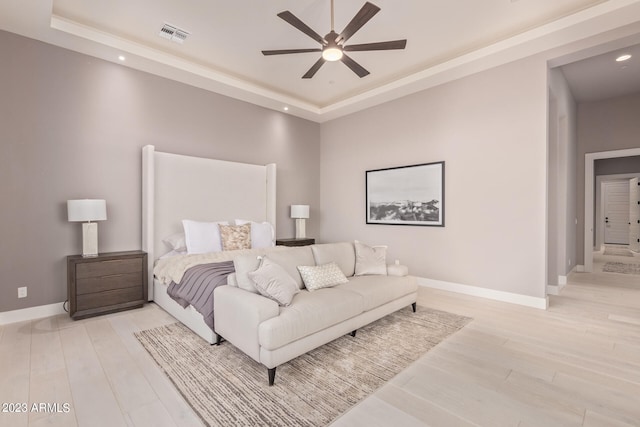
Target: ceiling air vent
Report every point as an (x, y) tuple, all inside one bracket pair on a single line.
[(173, 33)]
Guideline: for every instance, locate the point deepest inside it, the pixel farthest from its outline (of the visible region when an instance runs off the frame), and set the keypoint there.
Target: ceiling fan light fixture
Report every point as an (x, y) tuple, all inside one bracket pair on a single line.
[(332, 53), (333, 45)]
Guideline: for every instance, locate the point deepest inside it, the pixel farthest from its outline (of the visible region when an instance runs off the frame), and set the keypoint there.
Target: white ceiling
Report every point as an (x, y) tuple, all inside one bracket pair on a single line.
[(446, 39)]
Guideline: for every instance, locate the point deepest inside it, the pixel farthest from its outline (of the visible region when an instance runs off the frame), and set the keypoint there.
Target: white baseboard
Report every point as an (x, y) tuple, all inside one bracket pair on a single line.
[(526, 300), (580, 268), (554, 289), (31, 313)]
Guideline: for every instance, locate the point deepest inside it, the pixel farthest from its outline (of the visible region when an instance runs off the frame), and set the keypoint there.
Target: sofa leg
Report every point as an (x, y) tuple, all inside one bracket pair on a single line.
[(272, 375), (413, 306), (219, 339), (353, 333)]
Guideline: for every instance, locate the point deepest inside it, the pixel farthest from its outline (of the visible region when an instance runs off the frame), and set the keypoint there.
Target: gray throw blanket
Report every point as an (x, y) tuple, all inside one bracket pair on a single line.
[(197, 285)]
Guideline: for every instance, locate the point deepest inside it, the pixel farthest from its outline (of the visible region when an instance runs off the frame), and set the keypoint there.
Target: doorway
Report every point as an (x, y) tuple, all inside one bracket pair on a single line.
[(589, 199)]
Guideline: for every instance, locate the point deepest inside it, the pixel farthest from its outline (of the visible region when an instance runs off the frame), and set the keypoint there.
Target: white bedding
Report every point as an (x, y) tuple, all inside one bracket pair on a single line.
[(172, 269)]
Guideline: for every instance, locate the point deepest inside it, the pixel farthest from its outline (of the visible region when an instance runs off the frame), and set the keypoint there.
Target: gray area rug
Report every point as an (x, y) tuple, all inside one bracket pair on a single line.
[(616, 251), (227, 388), (621, 267)]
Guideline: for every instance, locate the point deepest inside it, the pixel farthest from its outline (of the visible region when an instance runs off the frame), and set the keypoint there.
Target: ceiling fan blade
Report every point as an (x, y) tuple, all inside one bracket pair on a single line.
[(288, 51), (314, 69), (355, 67), (394, 44), (362, 17), (293, 20)]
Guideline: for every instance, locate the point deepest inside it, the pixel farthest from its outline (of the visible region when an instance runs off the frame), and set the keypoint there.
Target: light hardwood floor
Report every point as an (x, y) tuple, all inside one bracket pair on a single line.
[(578, 363)]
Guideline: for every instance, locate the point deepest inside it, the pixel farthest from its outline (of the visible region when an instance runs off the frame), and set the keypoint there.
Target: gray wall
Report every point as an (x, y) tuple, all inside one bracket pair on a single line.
[(607, 125), (491, 130), (617, 165), (73, 126)]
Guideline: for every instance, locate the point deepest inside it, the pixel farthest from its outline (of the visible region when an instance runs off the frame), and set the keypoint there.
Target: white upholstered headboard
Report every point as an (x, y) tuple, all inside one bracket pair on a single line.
[(177, 187)]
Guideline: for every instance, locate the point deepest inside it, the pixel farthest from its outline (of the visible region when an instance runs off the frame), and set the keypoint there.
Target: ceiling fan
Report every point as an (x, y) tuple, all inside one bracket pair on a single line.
[(333, 44)]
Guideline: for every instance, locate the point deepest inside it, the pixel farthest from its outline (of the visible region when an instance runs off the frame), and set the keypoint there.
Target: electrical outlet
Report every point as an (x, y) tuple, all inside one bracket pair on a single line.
[(22, 292)]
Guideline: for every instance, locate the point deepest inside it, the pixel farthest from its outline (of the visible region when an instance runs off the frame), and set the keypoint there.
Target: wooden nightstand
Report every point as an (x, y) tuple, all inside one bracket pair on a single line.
[(295, 242), (106, 283)]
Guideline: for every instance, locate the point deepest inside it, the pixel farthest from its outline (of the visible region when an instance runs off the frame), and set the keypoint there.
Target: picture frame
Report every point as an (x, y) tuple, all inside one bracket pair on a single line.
[(406, 195)]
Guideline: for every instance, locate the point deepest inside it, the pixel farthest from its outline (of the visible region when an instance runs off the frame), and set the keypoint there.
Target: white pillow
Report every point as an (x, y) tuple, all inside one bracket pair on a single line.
[(262, 233), (202, 237), (370, 259), (273, 282), (321, 276), (176, 242)]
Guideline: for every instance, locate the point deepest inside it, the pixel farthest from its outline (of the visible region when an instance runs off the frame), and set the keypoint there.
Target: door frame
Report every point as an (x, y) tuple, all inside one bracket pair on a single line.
[(589, 207)]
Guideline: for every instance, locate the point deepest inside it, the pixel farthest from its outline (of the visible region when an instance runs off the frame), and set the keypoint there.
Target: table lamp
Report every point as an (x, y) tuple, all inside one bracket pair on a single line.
[(87, 210), (300, 213)]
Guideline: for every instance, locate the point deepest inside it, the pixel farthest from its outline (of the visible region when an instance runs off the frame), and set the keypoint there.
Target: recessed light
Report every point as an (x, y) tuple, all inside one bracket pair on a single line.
[(623, 58), (122, 58), (286, 108)]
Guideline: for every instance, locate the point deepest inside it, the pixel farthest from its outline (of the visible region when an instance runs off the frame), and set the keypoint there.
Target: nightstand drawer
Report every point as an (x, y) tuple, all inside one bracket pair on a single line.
[(104, 268), (111, 282), (108, 298)]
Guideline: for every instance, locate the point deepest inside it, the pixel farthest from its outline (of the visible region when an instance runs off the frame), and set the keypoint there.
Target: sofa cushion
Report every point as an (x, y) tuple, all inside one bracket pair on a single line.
[(321, 276), (379, 290), (287, 258), (273, 282), (308, 313), (341, 253), (291, 258), (243, 264), (370, 259)]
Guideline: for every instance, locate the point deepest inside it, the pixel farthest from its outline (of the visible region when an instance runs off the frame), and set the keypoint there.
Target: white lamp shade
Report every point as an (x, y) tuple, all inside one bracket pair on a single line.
[(87, 210), (299, 211)]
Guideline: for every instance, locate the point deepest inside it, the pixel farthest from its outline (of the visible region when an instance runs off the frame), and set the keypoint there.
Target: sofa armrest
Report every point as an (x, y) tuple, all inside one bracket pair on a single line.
[(397, 270), (238, 313)]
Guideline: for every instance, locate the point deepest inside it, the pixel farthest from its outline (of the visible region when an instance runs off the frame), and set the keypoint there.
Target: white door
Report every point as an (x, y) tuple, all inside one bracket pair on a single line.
[(634, 215), (616, 212)]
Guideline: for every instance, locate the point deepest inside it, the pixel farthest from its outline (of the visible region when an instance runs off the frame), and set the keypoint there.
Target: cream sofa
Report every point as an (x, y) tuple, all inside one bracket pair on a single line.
[(272, 334)]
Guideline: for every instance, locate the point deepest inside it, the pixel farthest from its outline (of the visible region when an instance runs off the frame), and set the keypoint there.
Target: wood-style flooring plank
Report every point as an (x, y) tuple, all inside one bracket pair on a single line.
[(49, 388), (127, 381), (94, 401), (175, 405), (374, 412), (15, 360)]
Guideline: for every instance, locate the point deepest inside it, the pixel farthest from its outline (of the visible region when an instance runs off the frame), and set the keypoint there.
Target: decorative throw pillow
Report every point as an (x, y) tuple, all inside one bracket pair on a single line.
[(273, 282), (321, 276), (370, 259), (262, 234), (235, 237), (202, 237)]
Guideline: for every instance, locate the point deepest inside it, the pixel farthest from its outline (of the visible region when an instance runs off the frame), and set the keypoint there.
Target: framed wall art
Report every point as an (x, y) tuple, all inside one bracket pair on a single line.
[(406, 195)]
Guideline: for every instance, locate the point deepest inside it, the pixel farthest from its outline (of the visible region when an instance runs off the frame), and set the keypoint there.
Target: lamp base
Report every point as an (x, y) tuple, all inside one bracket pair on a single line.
[(89, 239), (300, 228)]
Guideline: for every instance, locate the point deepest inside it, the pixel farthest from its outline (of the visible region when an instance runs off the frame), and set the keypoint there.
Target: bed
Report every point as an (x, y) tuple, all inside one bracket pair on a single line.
[(177, 187)]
